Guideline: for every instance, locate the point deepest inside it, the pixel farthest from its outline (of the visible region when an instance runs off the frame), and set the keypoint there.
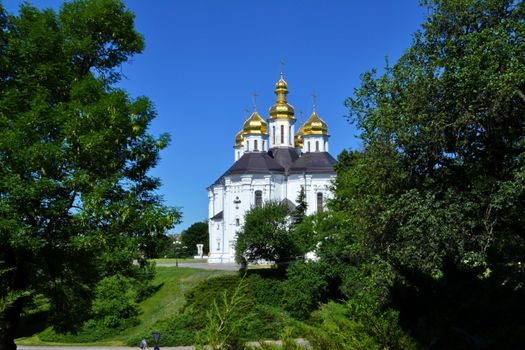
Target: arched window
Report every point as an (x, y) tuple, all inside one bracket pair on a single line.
[(264, 145), (317, 146), (319, 201), (258, 199), (273, 134), (237, 222), (308, 146), (282, 133), (247, 146), (238, 154), (290, 134), (255, 145)]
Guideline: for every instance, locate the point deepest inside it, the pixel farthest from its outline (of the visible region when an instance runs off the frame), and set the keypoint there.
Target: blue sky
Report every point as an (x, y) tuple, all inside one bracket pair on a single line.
[(203, 59)]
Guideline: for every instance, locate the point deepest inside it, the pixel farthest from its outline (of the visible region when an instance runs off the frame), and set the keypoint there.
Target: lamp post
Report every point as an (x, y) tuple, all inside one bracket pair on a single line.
[(177, 247), (156, 337)]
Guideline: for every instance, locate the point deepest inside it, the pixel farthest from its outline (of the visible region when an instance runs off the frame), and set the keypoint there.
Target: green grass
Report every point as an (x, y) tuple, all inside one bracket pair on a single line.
[(165, 303), (173, 260)]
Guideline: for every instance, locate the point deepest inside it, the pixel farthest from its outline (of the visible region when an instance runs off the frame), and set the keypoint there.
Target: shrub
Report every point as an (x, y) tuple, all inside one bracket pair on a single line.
[(303, 290), (354, 325), (115, 302), (178, 330)]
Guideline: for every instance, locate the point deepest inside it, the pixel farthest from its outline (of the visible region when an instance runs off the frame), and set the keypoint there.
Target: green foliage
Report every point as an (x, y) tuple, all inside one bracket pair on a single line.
[(304, 289), (356, 326), (115, 302), (199, 297), (431, 204), (77, 202), (178, 329), (299, 212), (197, 233), (225, 319), (265, 235)]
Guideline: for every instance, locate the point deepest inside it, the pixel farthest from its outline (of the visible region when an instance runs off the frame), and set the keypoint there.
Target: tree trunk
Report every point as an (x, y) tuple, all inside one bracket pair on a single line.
[(8, 325)]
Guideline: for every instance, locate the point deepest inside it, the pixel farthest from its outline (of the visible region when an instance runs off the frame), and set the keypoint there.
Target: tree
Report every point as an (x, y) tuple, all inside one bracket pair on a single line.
[(438, 192), (197, 233), (265, 235), (299, 212), (76, 201)]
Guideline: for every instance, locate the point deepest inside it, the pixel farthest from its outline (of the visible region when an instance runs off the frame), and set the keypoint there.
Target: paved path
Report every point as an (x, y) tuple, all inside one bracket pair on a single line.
[(206, 266), (301, 342)]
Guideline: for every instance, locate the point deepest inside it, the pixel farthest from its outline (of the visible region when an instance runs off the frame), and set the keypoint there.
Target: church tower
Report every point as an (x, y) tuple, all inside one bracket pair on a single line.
[(239, 145), (314, 134), (281, 119), (255, 133)]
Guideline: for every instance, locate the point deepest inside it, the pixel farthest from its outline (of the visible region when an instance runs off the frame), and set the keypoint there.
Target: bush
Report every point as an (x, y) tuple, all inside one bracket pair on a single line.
[(178, 330), (355, 325), (200, 297), (303, 290), (115, 302), (266, 290)]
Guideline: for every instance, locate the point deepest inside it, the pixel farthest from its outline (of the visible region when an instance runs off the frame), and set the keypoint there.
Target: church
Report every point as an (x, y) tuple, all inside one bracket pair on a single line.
[(273, 162)]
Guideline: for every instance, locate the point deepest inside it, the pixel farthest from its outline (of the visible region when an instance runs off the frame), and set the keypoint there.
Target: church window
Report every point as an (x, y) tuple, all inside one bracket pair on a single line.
[(258, 199), (238, 154), (247, 146), (237, 222), (255, 145), (319, 201), (317, 146), (290, 135), (282, 133), (308, 146), (273, 134), (264, 145)]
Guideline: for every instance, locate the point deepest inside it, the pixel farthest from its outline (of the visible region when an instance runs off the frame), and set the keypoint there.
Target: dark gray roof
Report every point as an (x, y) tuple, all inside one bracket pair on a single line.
[(281, 161), (254, 163), (284, 156), (219, 216), (314, 163)]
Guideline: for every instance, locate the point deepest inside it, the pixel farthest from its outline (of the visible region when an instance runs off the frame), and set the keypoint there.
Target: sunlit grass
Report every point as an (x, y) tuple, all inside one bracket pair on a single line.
[(164, 303), (173, 261)]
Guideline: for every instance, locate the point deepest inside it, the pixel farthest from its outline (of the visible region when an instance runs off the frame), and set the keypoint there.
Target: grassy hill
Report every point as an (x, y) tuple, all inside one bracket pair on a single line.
[(166, 302)]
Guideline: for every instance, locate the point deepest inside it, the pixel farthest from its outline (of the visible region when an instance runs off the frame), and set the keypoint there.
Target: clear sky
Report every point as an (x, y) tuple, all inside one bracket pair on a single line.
[(204, 58)]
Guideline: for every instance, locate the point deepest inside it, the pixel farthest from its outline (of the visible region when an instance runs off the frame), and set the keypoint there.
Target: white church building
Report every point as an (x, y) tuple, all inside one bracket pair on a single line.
[(273, 162)]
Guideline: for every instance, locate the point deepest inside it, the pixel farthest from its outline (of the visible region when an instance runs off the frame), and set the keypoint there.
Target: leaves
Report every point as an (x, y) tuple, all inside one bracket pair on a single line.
[(76, 197)]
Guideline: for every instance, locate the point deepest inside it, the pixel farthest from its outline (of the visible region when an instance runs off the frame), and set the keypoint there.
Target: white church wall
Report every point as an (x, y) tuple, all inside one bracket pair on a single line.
[(275, 133), (238, 152), (315, 143)]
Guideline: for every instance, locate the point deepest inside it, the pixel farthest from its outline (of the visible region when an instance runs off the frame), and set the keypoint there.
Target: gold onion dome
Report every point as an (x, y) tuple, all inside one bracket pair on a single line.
[(299, 137), (255, 125), (239, 138), (315, 126), (281, 109)]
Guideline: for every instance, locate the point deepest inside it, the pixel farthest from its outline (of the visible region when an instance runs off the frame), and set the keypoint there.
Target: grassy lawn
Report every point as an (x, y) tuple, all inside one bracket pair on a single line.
[(173, 261), (166, 302)]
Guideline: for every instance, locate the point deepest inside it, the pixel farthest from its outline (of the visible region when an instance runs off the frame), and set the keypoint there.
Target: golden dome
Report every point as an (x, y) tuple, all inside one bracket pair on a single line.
[(281, 109), (299, 137), (239, 138), (255, 125), (315, 126)]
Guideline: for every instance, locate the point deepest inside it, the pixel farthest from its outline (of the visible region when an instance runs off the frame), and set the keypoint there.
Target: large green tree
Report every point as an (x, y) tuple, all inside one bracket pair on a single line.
[(438, 192), (197, 233), (266, 235), (76, 201)]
